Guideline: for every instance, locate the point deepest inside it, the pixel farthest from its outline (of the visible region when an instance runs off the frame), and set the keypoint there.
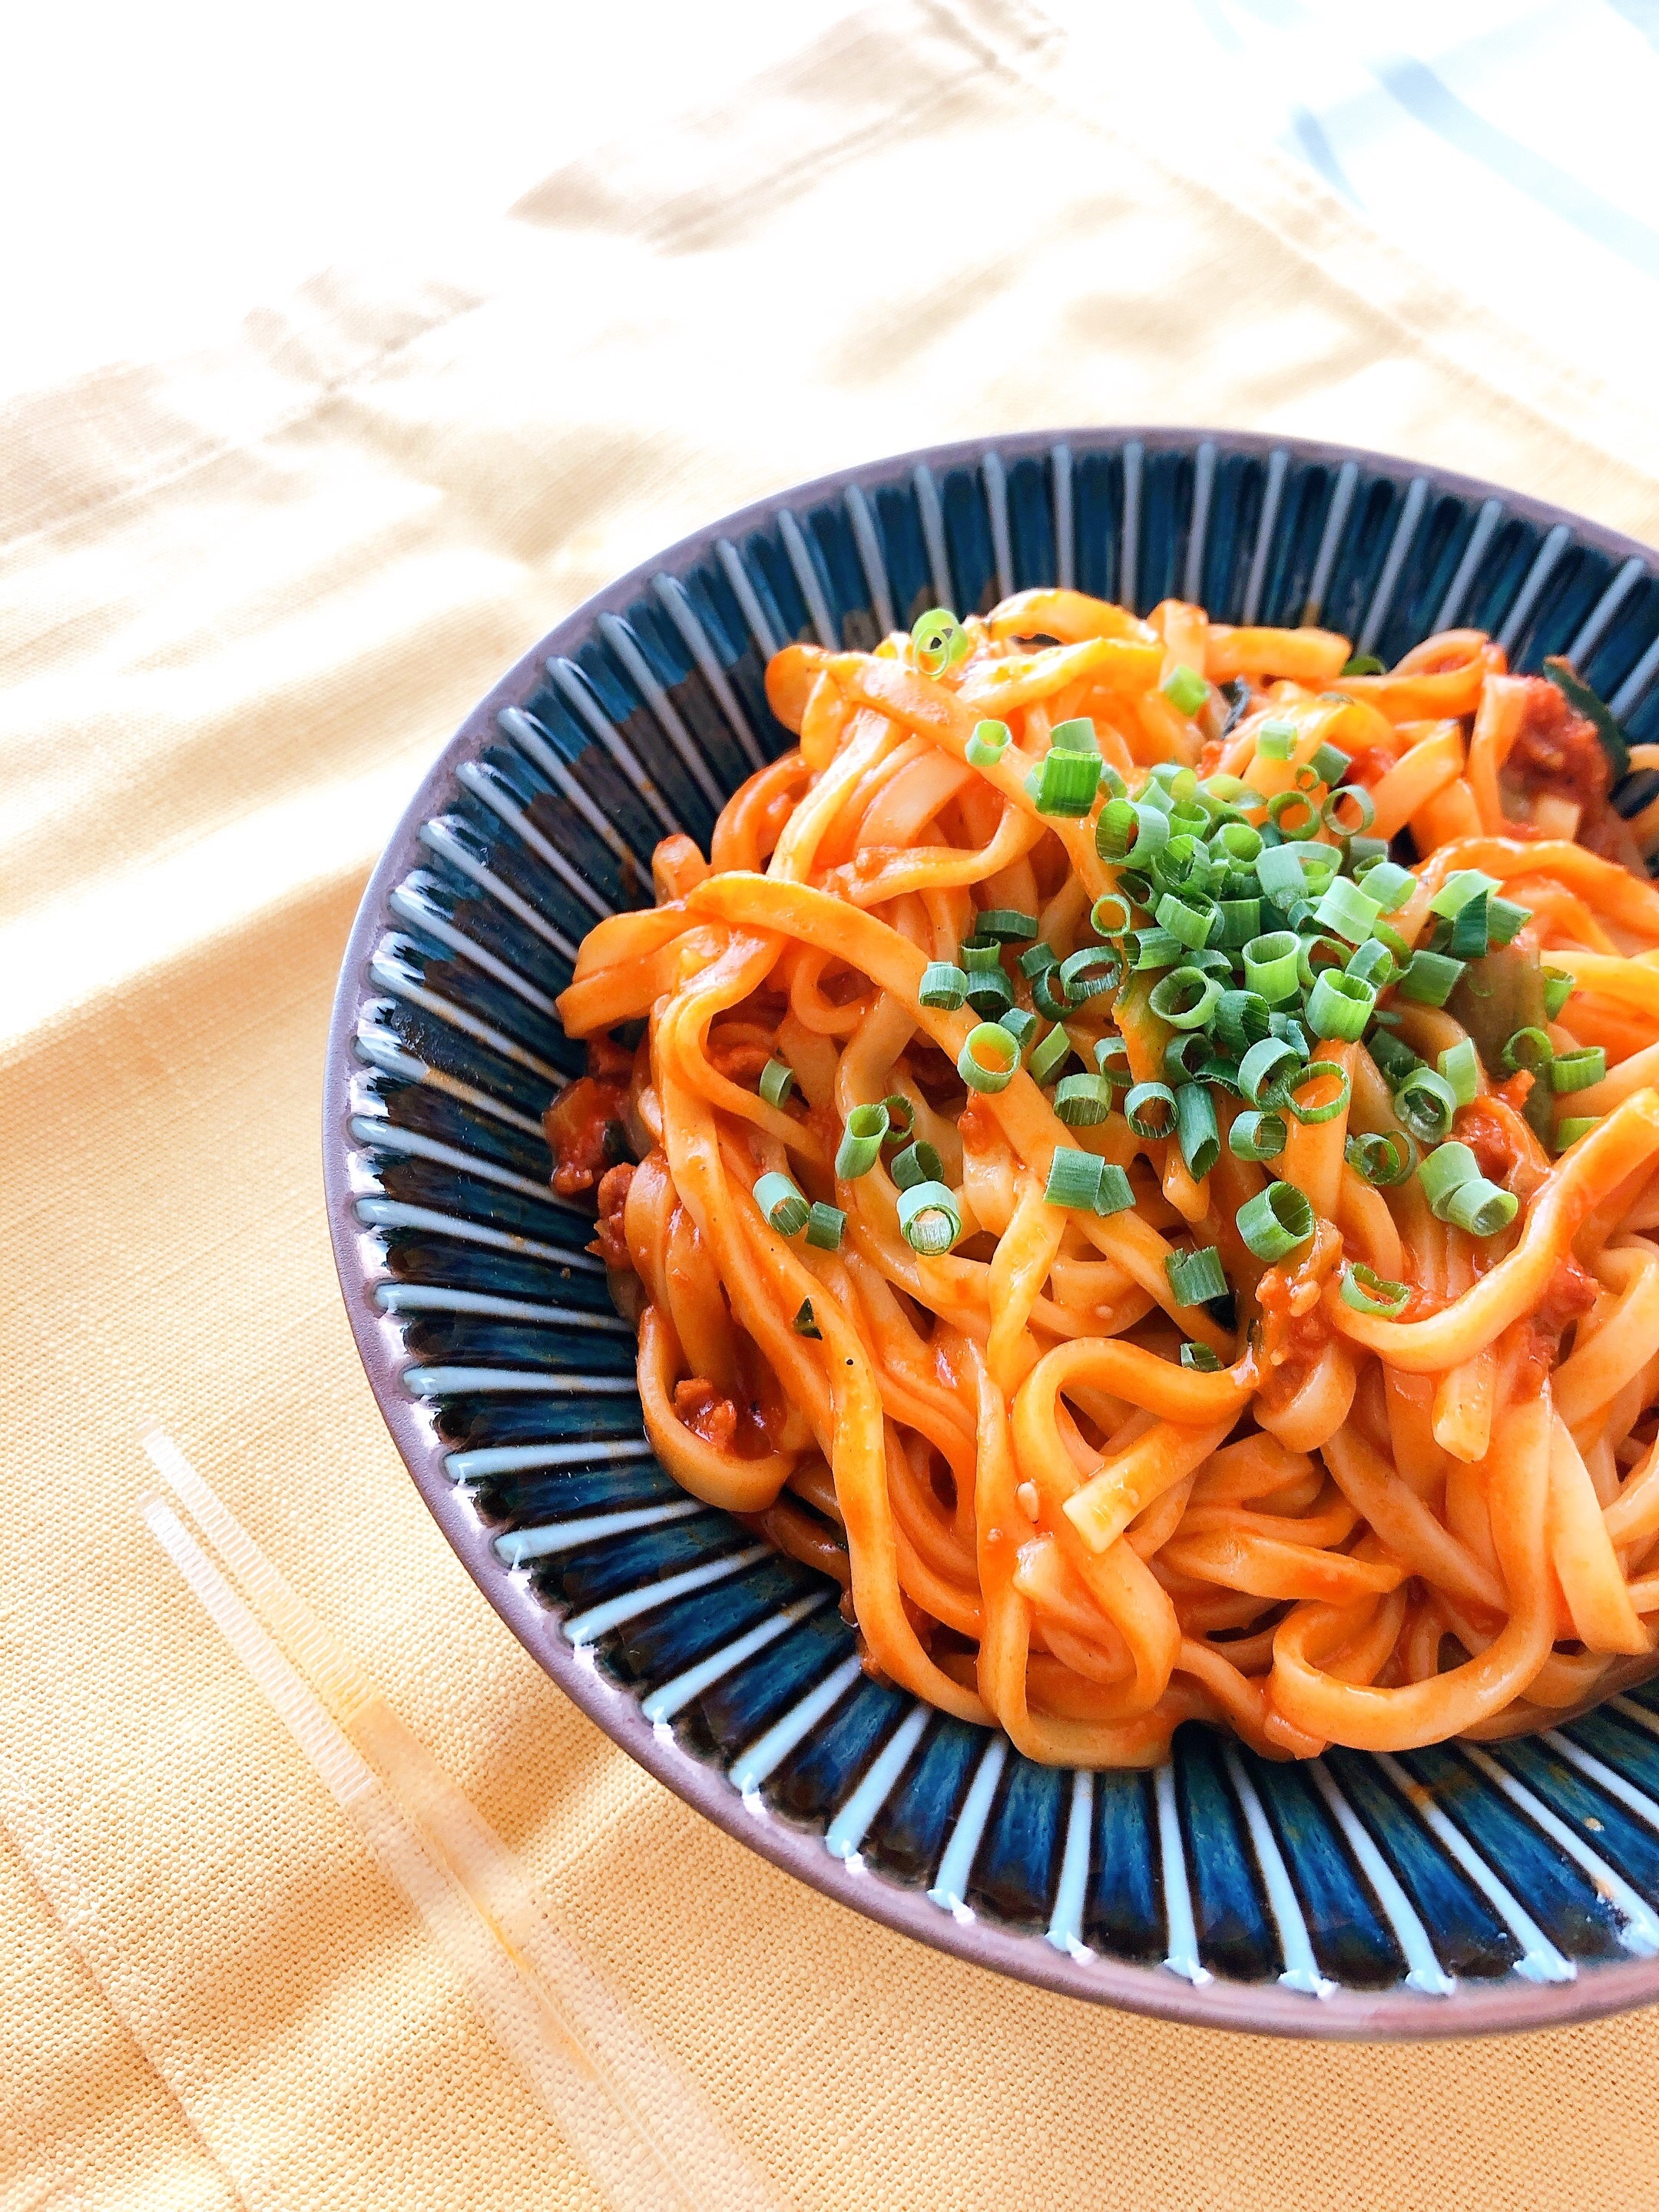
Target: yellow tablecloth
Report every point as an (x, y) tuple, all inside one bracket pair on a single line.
[(242, 600)]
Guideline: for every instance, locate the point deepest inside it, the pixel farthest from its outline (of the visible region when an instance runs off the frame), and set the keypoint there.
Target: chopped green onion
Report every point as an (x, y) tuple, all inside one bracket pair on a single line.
[(1112, 1059), (1443, 1170), (1152, 833), (1348, 794), (1185, 690), (1426, 1103), (1481, 1207), (1241, 918), (1576, 1070), (1270, 966), (1275, 1221), (1362, 664), (1085, 974), (1051, 1053), (1365, 853), (1329, 1108), (988, 1058), (989, 990), (1381, 1161), (1572, 1127), (929, 1221), (825, 1225), (939, 640), (1038, 959), (943, 985), (1265, 1067), (1064, 784), (1460, 1064), (782, 1204), (1186, 919), (1116, 829), (901, 1117), (1530, 1049), (1074, 1179), (1183, 864), (804, 1325), (1020, 1024), (1389, 884), (1196, 1129), (1081, 1101), (1431, 978), (1372, 963), (1110, 781), (1114, 1194), (917, 1163), (1242, 1019), (1238, 840), (1148, 1095), (1274, 740), (1367, 1292), (1470, 938), (777, 1079), (1279, 871), (980, 955), (1185, 998), (1076, 735), (1505, 920), (1394, 1059), (1195, 1277), (1340, 1005), (1184, 1054), (1459, 888), (1007, 924), (1201, 1357), (987, 744), (1110, 914), (1292, 1033), (1282, 803), (1256, 1136), (1330, 764), (1348, 910), (860, 1145), (1558, 988)]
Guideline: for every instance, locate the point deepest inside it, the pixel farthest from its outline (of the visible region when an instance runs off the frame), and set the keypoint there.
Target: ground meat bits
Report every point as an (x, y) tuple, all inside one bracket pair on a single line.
[(1559, 751), (583, 1134)]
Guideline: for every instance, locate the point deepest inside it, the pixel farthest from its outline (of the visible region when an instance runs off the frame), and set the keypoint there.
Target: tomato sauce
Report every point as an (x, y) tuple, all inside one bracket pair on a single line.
[(584, 1127)]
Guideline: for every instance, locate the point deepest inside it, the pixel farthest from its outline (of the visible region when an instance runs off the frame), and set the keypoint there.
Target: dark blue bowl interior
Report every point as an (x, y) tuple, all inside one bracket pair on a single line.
[(1440, 1892)]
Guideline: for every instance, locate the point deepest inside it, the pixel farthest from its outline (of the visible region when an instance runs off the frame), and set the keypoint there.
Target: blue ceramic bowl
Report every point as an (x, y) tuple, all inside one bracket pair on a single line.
[(1441, 1893)]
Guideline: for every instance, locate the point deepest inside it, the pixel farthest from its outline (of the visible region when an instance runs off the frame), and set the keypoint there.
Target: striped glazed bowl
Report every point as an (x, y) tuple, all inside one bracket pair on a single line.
[(1440, 1893)]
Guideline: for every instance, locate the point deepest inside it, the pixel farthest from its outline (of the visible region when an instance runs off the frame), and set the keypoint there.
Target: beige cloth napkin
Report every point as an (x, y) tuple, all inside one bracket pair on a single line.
[(242, 601)]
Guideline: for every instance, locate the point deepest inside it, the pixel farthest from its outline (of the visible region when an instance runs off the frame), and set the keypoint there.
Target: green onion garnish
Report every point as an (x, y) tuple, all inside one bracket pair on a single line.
[(1184, 1055), (1080, 1100), (1381, 1161), (1389, 884), (1038, 959), (1195, 1277), (943, 985), (1085, 974), (1443, 1170), (1116, 829), (782, 1204), (988, 1058), (1185, 998), (1007, 924), (861, 1143), (980, 956), (1076, 735), (1283, 804), (1051, 1053), (987, 744), (1110, 914), (777, 1079), (1020, 1024), (989, 990), (929, 1219), (1064, 784), (1049, 995), (1201, 1357), (1241, 920), (1275, 1221), (1530, 1049), (1576, 1070), (1330, 764), (1349, 911), (1242, 1019), (1459, 888), (1505, 919), (1255, 1136), (1572, 1127), (1470, 938), (1429, 978), (1328, 1108), (1265, 1067), (1279, 871), (1340, 1005), (1584, 701), (1362, 664), (1270, 966), (1150, 1109), (1274, 740), (1156, 948), (1112, 1059), (1185, 690), (804, 1325), (1074, 1179), (1481, 1207), (1196, 1130), (1238, 841), (1373, 963), (1426, 1103), (1558, 988), (824, 1227), (901, 1117), (1461, 1066), (1367, 1292), (917, 1163), (939, 640), (1334, 813)]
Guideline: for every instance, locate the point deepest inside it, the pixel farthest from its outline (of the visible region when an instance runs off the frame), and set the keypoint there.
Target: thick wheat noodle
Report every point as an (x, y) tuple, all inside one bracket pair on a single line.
[(1355, 1529)]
